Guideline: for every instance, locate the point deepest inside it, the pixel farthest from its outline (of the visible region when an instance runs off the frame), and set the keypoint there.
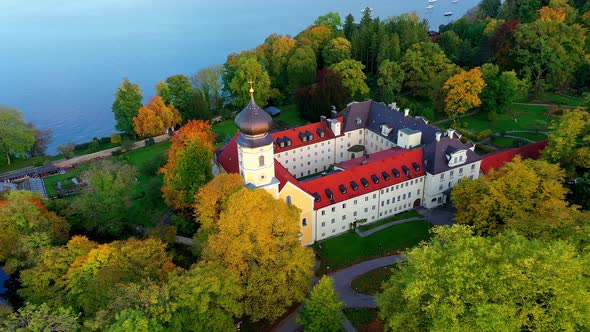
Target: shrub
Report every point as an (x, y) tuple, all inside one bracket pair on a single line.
[(150, 141), (117, 152), (127, 145), (94, 145), (116, 139), (67, 150)]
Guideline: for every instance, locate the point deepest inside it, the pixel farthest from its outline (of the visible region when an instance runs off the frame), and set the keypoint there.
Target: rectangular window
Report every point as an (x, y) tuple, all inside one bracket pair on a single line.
[(472, 167), (355, 202), (323, 212), (333, 220), (418, 192), (366, 198), (382, 203), (343, 217), (374, 196), (387, 201), (461, 170), (404, 196), (333, 209), (344, 205), (366, 209), (323, 234), (452, 173), (442, 176), (440, 188), (373, 208), (354, 214), (410, 194), (343, 226), (323, 224), (333, 231)]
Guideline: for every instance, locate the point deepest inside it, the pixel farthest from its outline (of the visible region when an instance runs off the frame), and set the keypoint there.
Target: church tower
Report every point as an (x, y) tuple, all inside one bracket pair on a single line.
[(255, 148)]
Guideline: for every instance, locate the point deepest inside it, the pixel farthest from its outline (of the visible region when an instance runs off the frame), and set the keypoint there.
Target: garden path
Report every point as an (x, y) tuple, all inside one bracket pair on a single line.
[(389, 224)]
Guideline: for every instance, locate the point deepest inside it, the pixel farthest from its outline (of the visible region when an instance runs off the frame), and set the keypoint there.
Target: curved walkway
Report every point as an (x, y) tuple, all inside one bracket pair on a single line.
[(344, 278)]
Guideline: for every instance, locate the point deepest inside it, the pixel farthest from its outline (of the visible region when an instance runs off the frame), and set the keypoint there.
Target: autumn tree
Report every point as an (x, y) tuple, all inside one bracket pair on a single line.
[(463, 91), (524, 196), (155, 118), (501, 88), (316, 37), (15, 137), (353, 77), (462, 282), (337, 50), (277, 51), (258, 242), (100, 208), (302, 66), (569, 141), (189, 164), (249, 69), (26, 228), (126, 105), (177, 90), (391, 77), (322, 311)]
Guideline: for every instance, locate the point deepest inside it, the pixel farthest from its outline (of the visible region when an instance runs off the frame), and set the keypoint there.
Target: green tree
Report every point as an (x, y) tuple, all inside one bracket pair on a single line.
[(198, 107), (277, 50), (524, 284), (348, 26), (489, 8), (177, 90), (501, 88), (302, 66), (130, 320), (35, 318), (422, 62), (15, 137), (127, 103), (524, 196), (258, 242), (100, 207), (353, 77), (327, 94), (331, 20), (337, 50), (569, 141), (391, 78), (322, 311), (389, 49), (249, 69), (525, 10), (450, 42), (26, 228), (208, 81)]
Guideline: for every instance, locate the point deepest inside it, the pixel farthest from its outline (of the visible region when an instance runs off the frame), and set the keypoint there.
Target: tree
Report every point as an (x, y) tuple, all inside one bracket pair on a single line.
[(389, 49), (67, 150), (524, 196), (127, 103), (348, 26), (130, 320), (42, 139), (523, 285), (208, 81), (100, 208), (525, 10), (302, 66), (463, 91), (391, 78), (257, 241), (566, 134), (337, 50), (249, 69), (316, 37), (422, 62), (207, 298), (323, 310), (27, 227), (450, 42), (198, 107), (177, 90), (353, 77), (327, 94), (501, 88), (489, 8), (189, 164), (155, 118), (41, 318), (277, 54), (15, 137), (331, 20)]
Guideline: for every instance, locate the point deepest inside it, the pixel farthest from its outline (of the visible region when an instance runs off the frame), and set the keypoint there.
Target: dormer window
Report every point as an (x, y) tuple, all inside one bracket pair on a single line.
[(342, 188), (374, 178), (364, 182), (416, 166), (395, 173), (358, 121), (385, 176), (406, 171), (329, 194), (354, 186)]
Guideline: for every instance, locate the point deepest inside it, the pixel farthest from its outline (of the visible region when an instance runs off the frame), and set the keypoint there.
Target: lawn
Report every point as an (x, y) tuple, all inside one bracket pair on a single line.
[(507, 142), (532, 136), (350, 248), (555, 98), (371, 282), (290, 116), (405, 215), (525, 115), (51, 181), (364, 319), (140, 156)]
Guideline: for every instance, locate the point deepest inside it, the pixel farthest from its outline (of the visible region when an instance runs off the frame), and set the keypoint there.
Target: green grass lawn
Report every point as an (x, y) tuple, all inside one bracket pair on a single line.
[(139, 156), (361, 318), (350, 248), (22, 163), (371, 282), (525, 115), (51, 181), (555, 98), (290, 116), (506, 142), (405, 215), (532, 136)]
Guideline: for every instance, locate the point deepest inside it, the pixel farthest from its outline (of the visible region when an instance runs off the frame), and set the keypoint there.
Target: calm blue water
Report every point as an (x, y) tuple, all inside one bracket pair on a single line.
[(61, 61), (3, 278)]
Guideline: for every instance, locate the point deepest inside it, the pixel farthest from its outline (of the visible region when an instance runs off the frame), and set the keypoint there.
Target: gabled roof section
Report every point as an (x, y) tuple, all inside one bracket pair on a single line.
[(496, 160), (435, 154), (373, 115), (293, 135), (371, 158), (330, 183), (227, 156), (283, 175)]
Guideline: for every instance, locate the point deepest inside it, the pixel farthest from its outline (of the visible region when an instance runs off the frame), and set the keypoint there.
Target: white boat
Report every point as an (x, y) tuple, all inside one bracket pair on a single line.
[(429, 7), (455, 1), (448, 13), (431, 1)]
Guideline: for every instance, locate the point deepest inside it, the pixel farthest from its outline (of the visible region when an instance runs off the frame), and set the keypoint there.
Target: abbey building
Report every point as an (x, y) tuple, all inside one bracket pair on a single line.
[(368, 162)]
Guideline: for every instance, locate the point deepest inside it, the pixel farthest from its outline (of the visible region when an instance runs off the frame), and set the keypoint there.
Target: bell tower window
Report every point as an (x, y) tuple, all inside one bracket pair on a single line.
[(261, 161)]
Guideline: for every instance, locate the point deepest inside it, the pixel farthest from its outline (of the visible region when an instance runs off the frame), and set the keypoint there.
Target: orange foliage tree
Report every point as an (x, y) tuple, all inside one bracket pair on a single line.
[(154, 118), (462, 92), (189, 164)]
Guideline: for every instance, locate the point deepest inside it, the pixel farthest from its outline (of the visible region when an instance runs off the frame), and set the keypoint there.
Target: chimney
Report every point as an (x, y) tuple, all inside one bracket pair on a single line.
[(333, 113), (450, 132), (394, 106), (438, 134), (323, 118), (406, 112)]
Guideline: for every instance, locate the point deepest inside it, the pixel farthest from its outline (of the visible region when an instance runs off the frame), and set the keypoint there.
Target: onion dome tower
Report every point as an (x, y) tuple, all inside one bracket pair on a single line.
[(255, 147)]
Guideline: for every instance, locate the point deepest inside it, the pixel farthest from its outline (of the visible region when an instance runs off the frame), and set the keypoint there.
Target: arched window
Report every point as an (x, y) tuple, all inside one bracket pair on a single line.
[(288, 200), (261, 161)]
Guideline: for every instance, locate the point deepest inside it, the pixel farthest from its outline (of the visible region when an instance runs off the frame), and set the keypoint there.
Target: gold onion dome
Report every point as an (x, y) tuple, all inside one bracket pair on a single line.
[(253, 120)]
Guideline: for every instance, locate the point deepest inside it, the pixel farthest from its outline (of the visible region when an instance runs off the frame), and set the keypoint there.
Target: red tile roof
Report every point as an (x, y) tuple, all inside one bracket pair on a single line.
[(283, 175), (373, 157), (496, 160), (228, 156), (333, 181), (293, 134)]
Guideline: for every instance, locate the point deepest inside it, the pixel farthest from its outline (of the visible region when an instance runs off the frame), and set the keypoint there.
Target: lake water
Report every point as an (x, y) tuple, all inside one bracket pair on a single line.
[(61, 61), (3, 278)]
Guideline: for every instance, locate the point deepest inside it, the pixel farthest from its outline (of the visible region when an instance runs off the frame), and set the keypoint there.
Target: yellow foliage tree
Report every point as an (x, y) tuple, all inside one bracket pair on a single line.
[(564, 140), (154, 118), (258, 242), (462, 92)]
